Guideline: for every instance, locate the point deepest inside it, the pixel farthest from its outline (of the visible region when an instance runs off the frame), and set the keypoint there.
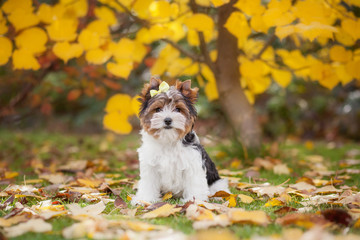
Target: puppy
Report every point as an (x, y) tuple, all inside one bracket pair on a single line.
[(171, 156)]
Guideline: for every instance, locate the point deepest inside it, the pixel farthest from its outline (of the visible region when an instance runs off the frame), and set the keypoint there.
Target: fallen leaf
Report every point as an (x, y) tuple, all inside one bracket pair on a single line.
[(167, 196), (197, 213), (281, 169), (270, 191), (285, 209), (214, 234), (306, 220), (120, 203), (338, 216), (33, 225), (327, 190), (245, 199), (256, 217), (274, 202), (221, 220), (163, 211), (90, 210)]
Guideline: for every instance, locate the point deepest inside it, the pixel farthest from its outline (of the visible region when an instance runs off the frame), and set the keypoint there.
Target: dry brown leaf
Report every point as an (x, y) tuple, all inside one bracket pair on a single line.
[(270, 191), (301, 186), (327, 190), (120, 203), (283, 210), (256, 217), (57, 178), (33, 225), (74, 166), (338, 216), (14, 220), (307, 220), (197, 213), (163, 211), (91, 183)]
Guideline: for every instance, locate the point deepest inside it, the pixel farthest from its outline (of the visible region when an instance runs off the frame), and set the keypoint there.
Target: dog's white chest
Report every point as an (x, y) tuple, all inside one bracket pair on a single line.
[(172, 164)]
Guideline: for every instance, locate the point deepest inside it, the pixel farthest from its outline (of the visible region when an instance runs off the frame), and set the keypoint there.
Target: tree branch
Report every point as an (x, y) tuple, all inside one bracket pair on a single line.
[(136, 18), (194, 57), (203, 46), (266, 45)]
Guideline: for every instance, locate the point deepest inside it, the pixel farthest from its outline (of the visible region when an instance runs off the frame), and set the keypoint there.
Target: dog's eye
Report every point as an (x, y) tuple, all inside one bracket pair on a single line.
[(177, 110), (158, 110)]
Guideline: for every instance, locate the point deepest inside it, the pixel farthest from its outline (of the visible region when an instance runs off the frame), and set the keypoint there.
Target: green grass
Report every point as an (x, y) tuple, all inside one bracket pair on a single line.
[(18, 148)]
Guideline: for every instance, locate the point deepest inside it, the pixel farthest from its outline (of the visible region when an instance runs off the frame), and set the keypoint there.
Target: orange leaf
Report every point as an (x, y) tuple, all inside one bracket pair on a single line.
[(73, 94)]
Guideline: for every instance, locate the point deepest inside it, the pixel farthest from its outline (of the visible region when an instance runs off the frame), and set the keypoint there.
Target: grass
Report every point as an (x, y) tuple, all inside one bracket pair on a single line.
[(19, 148)]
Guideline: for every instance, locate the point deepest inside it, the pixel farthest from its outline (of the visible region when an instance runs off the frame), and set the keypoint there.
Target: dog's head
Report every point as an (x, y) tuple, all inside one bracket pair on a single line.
[(168, 112)]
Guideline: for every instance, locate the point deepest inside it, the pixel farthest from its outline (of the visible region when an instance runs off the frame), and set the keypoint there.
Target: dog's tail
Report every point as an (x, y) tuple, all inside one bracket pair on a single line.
[(219, 185)]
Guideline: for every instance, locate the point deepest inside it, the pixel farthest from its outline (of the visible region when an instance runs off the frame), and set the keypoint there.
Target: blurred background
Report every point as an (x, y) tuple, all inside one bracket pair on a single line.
[(69, 93)]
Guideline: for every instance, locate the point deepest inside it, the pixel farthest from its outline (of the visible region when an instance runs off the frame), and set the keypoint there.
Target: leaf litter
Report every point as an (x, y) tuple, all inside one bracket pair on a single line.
[(93, 197)]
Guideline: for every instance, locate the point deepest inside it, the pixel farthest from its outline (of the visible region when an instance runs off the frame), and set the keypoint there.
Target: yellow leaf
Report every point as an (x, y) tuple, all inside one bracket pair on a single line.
[(128, 49), (282, 77), (177, 30), (100, 27), (237, 25), (258, 24), (250, 96), (325, 74), (253, 69), (344, 38), (32, 39), (278, 13), (89, 39), (117, 122), (315, 30), (62, 29), (106, 14), (45, 13), (6, 50), (211, 91), (119, 103), (98, 56), (12, 5), (351, 27), (160, 9), (232, 201), (342, 73), (23, 18), (204, 3), (274, 202), (66, 51), (250, 7), (218, 3), (178, 66), (284, 31), (313, 11), (78, 8), (252, 217), (163, 211), (121, 68), (24, 59), (245, 198), (340, 54), (141, 7), (199, 22), (11, 174), (167, 196), (353, 68)]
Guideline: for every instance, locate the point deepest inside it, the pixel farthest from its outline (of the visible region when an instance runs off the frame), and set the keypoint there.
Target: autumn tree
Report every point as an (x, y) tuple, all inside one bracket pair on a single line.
[(234, 48)]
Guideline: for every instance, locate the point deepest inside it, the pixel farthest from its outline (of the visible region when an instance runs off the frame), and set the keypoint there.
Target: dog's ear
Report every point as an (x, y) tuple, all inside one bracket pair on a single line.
[(145, 93), (187, 91)]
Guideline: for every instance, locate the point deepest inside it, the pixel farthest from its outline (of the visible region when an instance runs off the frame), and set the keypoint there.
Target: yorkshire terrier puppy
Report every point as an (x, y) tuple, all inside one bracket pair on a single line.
[(171, 156)]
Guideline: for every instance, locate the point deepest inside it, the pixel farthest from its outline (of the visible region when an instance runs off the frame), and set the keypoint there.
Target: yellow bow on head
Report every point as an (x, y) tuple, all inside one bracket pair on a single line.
[(163, 87)]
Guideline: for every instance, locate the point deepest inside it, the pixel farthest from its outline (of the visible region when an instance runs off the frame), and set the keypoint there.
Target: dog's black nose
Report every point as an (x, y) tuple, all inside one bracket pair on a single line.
[(168, 121)]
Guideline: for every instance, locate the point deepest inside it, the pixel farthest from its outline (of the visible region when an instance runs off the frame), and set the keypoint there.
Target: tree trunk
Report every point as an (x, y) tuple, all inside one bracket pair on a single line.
[(235, 105)]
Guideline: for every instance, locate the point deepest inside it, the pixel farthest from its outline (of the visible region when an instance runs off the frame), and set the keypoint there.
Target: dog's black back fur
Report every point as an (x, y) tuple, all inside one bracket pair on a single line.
[(212, 174)]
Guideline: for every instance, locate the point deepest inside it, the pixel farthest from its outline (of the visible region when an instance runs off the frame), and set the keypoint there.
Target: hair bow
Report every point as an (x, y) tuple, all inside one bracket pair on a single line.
[(163, 87)]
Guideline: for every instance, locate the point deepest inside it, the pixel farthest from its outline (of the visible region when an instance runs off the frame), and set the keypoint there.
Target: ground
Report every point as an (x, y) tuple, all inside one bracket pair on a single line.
[(71, 186)]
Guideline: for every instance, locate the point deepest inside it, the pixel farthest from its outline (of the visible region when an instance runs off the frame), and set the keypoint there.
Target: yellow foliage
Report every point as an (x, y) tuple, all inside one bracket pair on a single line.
[(238, 26), (253, 69), (166, 56), (6, 50), (250, 96), (10, 6), (176, 29), (141, 7), (24, 59), (278, 13), (106, 14), (353, 68), (311, 11), (211, 91), (98, 56), (66, 51), (258, 24), (250, 7), (315, 30), (181, 66), (344, 38), (340, 54), (22, 18), (205, 3), (45, 13), (282, 77), (89, 39), (119, 103), (78, 8), (193, 37), (135, 105), (218, 3), (62, 29), (351, 27), (162, 10), (199, 22), (342, 73), (121, 68), (32, 39), (117, 122), (128, 49), (155, 32), (325, 74)]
